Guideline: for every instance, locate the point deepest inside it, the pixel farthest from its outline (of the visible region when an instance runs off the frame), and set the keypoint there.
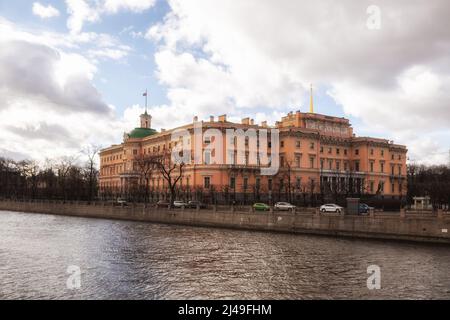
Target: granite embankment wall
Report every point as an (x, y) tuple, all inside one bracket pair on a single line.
[(413, 227)]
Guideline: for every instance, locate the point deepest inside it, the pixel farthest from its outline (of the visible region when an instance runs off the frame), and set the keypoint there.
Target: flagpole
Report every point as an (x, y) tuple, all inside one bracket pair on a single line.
[(146, 100)]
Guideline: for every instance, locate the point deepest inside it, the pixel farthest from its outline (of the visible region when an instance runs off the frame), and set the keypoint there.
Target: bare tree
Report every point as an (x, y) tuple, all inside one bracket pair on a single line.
[(170, 170), (145, 166), (63, 166), (91, 152)]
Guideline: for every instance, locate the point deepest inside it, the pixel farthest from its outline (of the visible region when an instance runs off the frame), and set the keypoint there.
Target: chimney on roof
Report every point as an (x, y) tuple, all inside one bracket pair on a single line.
[(245, 121), (223, 118), (195, 119), (211, 118)]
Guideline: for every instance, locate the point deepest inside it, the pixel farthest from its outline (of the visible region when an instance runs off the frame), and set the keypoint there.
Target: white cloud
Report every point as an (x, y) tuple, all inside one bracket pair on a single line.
[(49, 106), (82, 11), (228, 56), (109, 53), (113, 6), (44, 12)]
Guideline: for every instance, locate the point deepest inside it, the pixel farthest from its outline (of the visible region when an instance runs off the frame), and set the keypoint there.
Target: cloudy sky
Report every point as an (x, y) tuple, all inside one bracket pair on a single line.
[(73, 72)]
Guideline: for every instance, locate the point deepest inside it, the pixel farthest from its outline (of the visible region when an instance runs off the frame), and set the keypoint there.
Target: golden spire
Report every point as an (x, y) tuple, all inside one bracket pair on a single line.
[(311, 103)]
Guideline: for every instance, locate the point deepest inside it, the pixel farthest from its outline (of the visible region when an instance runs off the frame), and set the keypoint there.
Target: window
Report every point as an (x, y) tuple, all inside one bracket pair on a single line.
[(371, 186), (392, 157), (207, 182), (357, 166), (311, 162), (330, 164), (356, 151), (330, 150), (382, 167), (231, 157), (382, 152), (393, 188), (321, 149), (297, 144), (281, 161), (399, 157), (345, 165), (207, 156), (297, 161), (135, 152), (371, 152), (321, 163), (245, 183), (282, 144), (382, 186), (338, 165), (400, 170), (371, 166), (269, 184), (345, 152), (298, 182), (258, 183), (338, 150), (232, 182), (207, 139), (392, 169), (281, 183), (311, 145)]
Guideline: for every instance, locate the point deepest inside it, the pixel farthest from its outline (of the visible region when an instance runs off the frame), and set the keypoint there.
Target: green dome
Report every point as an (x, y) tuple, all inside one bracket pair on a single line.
[(138, 133)]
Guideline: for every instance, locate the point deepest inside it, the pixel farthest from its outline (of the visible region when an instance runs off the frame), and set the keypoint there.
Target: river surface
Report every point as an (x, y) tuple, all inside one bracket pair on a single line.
[(133, 260)]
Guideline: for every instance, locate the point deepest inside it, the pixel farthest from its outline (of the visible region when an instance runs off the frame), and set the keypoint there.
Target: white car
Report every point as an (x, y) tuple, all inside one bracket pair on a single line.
[(284, 206), (331, 207), (179, 204)]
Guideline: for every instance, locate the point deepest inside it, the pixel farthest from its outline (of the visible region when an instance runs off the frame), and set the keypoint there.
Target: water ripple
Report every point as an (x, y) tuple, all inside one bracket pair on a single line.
[(131, 260)]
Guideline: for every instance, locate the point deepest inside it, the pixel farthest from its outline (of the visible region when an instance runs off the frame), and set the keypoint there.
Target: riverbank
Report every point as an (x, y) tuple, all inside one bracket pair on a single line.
[(420, 228)]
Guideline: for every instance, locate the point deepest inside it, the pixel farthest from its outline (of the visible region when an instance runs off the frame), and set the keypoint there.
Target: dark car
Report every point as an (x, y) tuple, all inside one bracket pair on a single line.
[(120, 202), (364, 208), (194, 204), (162, 204)]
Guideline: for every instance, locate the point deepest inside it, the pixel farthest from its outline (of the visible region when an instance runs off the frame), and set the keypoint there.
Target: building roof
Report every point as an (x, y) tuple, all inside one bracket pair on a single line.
[(139, 133)]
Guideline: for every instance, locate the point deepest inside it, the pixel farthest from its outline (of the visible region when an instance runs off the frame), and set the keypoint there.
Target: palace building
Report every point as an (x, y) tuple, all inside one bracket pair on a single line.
[(320, 158)]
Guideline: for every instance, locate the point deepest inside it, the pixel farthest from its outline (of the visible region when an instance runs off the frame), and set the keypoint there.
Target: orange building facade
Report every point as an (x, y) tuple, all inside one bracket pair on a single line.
[(320, 160)]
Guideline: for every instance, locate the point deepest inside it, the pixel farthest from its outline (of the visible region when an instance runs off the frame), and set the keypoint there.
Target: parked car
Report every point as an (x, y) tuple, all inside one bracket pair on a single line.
[(120, 202), (331, 207), (162, 204), (284, 206), (261, 207), (179, 204), (364, 208), (194, 204)]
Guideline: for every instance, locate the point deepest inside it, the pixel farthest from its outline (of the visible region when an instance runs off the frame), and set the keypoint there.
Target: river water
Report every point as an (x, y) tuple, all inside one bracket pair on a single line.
[(132, 260)]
